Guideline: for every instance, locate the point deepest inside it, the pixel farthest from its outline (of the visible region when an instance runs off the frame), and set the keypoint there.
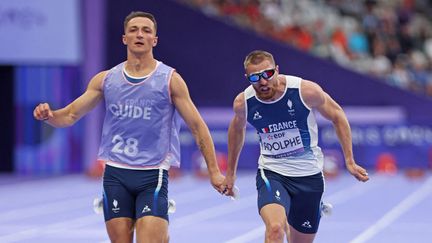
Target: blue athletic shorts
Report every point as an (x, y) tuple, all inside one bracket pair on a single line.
[(135, 193), (300, 196)]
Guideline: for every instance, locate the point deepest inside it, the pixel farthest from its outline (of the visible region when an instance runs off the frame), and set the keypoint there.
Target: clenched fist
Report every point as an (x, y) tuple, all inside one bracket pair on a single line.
[(42, 112)]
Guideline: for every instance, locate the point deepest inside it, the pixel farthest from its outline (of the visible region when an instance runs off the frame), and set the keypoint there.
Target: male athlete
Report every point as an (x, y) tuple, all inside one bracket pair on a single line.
[(140, 135), (289, 180)]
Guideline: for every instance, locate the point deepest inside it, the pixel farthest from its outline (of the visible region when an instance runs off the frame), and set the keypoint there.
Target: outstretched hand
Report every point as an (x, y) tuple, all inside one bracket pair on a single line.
[(42, 112), (358, 172)]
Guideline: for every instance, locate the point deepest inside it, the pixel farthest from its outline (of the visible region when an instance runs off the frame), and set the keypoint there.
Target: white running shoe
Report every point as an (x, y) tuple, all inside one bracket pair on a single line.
[(326, 209)]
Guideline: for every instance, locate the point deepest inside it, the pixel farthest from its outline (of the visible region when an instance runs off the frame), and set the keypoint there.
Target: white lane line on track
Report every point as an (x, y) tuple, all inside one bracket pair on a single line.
[(409, 202), (355, 190), (50, 228), (45, 209)]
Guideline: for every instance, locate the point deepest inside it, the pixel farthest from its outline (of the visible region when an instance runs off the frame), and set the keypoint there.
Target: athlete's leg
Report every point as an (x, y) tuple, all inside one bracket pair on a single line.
[(305, 209), (118, 205), (296, 236), (273, 200), (287, 230), (152, 209), (151, 229), (326, 209), (120, 230), (275, 221)]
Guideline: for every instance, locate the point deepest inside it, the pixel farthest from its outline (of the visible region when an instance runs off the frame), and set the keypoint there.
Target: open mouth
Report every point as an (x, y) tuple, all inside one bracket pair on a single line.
[(139, 43), (264, 89)]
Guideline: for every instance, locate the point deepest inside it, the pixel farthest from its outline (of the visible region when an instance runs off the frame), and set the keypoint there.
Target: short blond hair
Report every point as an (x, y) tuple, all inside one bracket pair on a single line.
[(256, 57)]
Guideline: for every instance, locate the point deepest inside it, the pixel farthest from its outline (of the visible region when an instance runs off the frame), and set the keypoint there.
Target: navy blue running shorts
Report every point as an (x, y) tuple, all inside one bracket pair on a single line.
[(135, 193), (300, 196)]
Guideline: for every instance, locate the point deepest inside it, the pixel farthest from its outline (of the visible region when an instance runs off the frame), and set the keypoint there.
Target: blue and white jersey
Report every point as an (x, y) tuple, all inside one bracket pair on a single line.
[(288, 133), (141, 126)]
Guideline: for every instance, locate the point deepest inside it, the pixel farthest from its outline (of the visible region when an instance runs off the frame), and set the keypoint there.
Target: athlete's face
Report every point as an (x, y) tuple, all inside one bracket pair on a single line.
[(265, 87), (140, 35)]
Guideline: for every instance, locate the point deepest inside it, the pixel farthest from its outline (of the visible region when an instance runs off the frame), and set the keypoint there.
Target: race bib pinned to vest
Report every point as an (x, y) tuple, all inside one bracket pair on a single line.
[(281, 143)]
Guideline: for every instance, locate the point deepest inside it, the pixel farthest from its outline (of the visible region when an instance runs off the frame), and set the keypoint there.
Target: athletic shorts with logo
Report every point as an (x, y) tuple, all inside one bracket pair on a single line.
[(135, 193), (300, 196)]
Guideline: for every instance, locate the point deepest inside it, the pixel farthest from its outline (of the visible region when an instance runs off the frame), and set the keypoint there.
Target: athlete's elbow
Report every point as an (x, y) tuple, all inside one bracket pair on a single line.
[(340, 121), (70, 120)]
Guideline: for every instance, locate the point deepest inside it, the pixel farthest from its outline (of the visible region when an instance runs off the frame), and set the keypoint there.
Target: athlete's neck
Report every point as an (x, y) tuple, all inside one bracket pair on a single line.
[(140, 66)]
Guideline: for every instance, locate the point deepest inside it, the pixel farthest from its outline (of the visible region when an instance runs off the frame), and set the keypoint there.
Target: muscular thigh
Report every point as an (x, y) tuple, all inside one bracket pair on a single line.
[(306, 193), (271, 190)]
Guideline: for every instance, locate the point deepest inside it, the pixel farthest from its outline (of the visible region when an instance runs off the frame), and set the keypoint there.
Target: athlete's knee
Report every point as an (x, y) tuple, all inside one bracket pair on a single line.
[(120, 230), (120, 236), (152, 229), (275, 231), (152, 237)]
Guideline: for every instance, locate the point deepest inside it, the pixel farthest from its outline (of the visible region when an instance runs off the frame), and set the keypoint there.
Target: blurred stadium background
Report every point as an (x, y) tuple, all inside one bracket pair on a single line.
[(48, 53), (373, 56)]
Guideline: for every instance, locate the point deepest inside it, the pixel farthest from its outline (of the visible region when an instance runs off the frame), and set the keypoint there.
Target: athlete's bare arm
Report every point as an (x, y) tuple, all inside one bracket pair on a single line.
[(236, 136), (70, 114), (315, 97), (189, 113)]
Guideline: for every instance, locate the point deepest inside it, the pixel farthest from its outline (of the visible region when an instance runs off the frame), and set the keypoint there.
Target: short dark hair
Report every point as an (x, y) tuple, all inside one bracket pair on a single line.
[(135, 14), (256, 57)]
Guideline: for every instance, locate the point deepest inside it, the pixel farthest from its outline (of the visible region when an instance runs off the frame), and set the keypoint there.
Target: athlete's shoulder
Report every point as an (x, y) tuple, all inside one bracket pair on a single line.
[(312, 93), (291, 77), (118, 67), (240, 98), (249, 92), (310, 86), (239, 105), (112, 71), (292, 81), (96, 83), (102, 74), (164, 64), (162, 67)]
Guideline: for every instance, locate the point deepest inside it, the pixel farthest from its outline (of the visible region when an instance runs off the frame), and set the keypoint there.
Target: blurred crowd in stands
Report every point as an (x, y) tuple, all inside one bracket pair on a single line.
[(389, 39)]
